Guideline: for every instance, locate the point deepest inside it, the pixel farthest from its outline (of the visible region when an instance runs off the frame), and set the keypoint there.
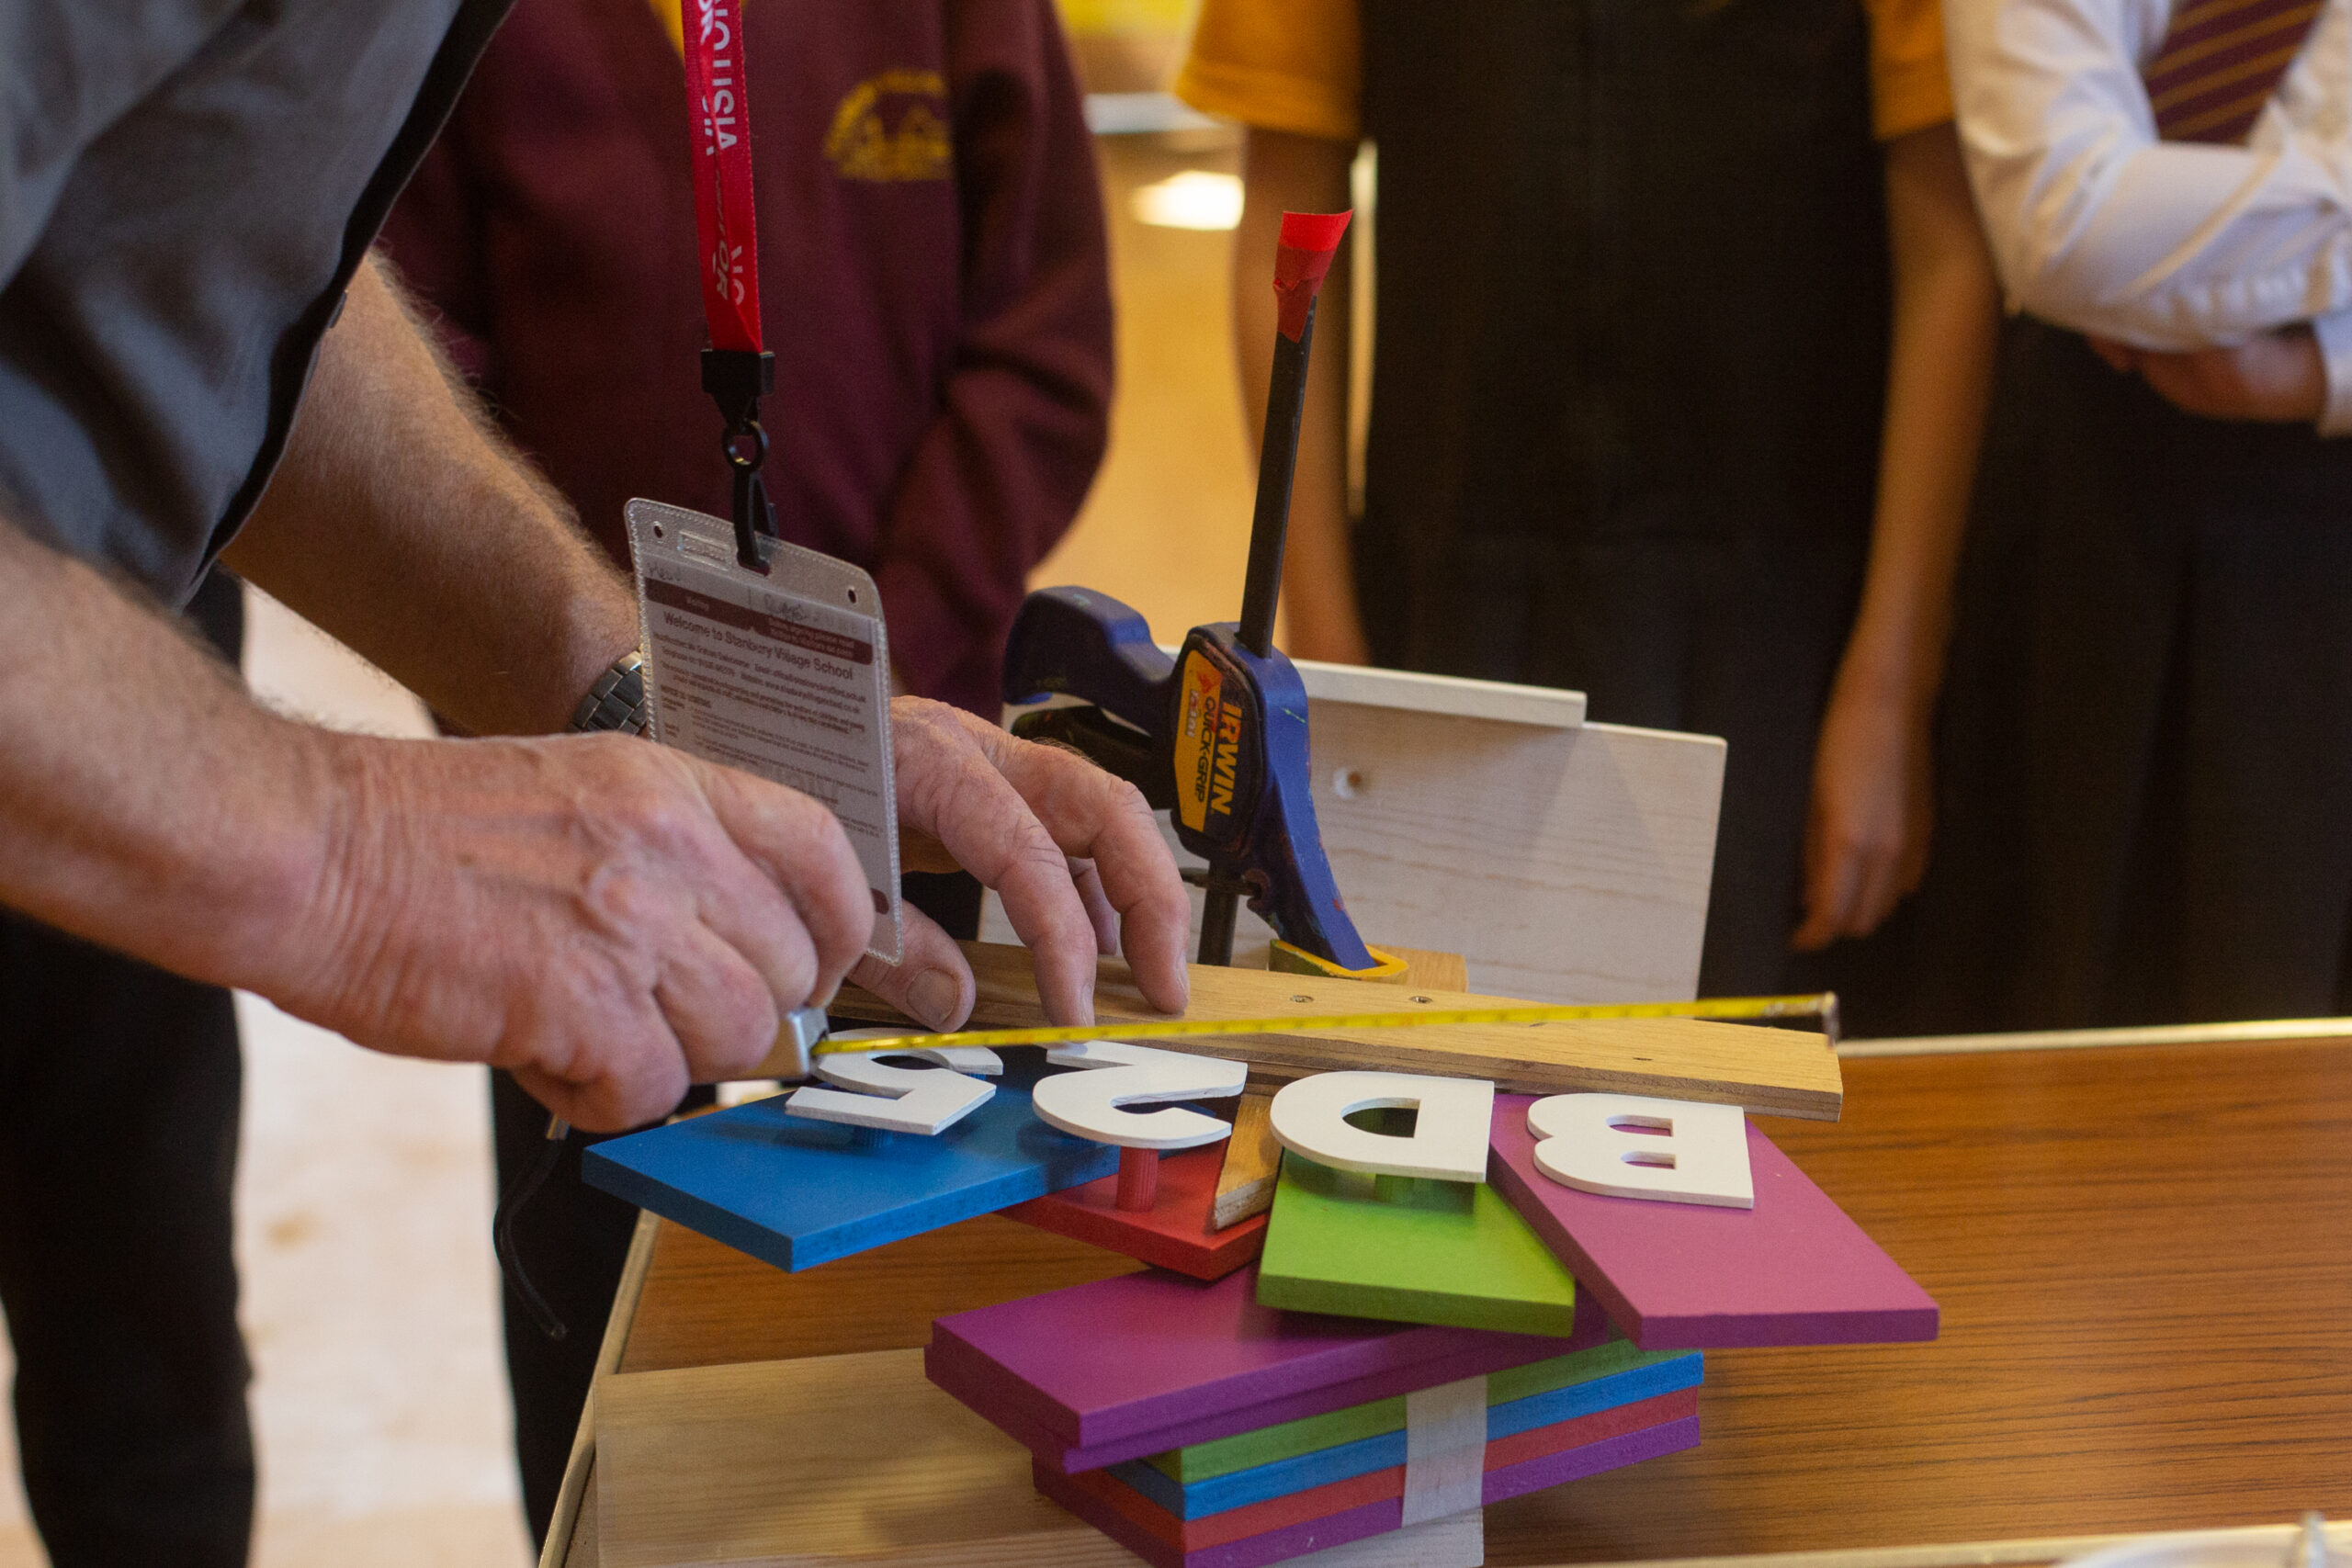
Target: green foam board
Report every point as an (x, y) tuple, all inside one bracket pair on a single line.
[(1409, 1251), (1268, 1445)]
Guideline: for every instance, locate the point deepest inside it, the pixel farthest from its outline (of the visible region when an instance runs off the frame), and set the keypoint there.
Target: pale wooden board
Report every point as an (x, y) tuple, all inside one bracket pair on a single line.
[(1777, 1072), (856, 1459), (1572, 863), (1253, 1162), (1425, 970), (1363, 685)]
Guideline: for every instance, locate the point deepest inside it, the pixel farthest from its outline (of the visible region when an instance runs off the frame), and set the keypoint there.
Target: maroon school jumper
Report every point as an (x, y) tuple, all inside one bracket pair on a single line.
[(933, 264)]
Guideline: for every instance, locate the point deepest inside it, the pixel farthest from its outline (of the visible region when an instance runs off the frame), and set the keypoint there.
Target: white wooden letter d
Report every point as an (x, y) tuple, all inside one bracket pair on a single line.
[(1451, 1123)]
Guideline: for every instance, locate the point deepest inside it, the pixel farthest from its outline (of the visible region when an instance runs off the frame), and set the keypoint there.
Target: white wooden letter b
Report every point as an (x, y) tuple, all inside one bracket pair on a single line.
[(1698, 1154)]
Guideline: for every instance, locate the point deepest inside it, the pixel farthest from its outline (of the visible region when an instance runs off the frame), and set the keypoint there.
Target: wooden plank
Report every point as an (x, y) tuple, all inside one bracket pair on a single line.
[(1573, 864), (1456, 696), (828, 1460), (1430, 971), (1253, 1158), (1781, 1072), (572, 1498), (714, 1304), (2135, 1288), (859, 1457)]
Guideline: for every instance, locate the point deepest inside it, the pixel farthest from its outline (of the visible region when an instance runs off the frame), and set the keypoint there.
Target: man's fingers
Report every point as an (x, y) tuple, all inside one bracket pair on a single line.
[(743, 909), (718, 1006), (931, 983), (992, 831), (1104, 819), (800, 846), (635, 1074), (1014, 815), (1088, 882)]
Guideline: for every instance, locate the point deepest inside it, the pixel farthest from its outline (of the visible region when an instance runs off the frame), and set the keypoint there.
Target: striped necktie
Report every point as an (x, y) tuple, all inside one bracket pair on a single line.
[(2221, 62)]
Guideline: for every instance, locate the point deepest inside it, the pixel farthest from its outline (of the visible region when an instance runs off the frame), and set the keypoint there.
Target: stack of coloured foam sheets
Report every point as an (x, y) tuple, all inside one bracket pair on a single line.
[(1201, 1429)]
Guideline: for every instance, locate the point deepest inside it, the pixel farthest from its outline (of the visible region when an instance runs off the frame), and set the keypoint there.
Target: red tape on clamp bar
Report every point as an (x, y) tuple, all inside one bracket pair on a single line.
[(725, 221), (1308, 240)]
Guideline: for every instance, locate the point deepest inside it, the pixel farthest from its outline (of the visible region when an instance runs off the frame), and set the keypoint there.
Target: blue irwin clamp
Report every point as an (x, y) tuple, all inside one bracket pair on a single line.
[(1215, 736)]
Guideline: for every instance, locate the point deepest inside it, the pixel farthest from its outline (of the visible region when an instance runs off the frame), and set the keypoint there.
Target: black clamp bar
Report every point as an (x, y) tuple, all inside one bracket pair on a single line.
[(737, 378)]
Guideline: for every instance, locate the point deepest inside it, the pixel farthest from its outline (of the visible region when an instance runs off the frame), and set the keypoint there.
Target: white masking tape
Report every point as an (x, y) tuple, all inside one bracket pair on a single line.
[(1445, 1449)]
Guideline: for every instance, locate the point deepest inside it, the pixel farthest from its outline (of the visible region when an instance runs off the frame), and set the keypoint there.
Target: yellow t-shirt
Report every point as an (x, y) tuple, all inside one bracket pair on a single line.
[(1296, 65)]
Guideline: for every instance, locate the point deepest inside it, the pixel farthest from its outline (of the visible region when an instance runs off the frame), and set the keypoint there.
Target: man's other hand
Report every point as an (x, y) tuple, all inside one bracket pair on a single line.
[(1072, 851), (608, 919), (2278, 376)]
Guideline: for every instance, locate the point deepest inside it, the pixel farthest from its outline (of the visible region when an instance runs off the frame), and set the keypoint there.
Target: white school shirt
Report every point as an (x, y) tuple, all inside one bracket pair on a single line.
[(2096, 225)]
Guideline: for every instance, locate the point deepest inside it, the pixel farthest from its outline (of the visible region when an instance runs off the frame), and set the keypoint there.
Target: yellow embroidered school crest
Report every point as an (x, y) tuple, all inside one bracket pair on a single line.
[(892, 127)]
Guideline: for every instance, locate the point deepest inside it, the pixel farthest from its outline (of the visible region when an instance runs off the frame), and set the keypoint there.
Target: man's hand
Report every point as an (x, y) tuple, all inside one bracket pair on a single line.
[(1072, 851), (2278, 376), (1873, 807), (609, 920)]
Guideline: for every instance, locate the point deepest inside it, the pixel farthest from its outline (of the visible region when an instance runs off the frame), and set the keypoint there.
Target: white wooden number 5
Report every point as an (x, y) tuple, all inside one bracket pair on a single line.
[(897, 1099)]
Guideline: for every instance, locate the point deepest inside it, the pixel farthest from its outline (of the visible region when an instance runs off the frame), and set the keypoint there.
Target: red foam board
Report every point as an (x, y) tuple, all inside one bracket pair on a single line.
[(1175, 1233)]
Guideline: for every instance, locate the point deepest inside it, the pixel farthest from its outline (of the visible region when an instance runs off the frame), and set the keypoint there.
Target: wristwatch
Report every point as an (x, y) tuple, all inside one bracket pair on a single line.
[(617, 702)]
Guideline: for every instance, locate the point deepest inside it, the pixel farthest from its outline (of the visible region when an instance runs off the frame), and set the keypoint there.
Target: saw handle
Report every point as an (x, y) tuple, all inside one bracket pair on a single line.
[(1075, 642)]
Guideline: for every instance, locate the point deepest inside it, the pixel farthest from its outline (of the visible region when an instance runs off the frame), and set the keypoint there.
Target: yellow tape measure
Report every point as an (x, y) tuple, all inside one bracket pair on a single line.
[(1821, 1005)]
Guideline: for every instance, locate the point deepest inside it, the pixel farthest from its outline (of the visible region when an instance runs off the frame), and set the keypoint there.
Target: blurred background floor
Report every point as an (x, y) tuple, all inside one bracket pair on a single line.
[(364, 1193)]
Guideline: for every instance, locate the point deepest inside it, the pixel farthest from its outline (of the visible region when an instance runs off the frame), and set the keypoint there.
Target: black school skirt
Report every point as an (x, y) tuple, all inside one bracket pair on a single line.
[(2145, 769)]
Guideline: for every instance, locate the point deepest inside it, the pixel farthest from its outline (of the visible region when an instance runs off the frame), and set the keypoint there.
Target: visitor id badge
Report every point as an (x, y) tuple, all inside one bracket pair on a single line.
[(785, 675)]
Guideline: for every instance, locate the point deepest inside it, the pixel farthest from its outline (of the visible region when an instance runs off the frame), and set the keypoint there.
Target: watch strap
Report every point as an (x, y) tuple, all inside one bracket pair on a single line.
[(616, 702)]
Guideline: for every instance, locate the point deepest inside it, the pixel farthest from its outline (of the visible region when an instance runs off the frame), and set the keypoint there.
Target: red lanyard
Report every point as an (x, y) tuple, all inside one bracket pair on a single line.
[(736, 371), (725, 220)]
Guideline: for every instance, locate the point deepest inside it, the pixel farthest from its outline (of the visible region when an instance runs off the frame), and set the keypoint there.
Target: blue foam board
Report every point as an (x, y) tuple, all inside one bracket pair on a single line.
[(1199, 1499), (797, 1192)]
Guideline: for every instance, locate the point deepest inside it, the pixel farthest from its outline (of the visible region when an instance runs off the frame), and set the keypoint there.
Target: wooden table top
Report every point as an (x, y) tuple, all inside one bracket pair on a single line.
[(2143, 1257)]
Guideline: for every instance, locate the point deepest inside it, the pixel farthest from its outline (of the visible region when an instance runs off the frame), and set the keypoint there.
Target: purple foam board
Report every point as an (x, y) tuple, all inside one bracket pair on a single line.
[(948, 1373), (1160, 1360), (1372, 1518), (1793, 1271)]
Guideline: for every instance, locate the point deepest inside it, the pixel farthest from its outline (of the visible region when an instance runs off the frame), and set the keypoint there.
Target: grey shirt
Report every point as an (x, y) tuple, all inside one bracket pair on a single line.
[(186, 187)]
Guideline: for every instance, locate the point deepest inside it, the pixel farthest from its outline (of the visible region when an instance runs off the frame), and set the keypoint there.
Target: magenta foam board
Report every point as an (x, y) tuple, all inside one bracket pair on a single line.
[(1793, 1271), (1120, 1368), (1372, 1518)]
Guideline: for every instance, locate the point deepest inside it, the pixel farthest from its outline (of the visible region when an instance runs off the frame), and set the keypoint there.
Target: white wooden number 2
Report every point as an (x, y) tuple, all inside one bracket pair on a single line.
[(1087, 1104)]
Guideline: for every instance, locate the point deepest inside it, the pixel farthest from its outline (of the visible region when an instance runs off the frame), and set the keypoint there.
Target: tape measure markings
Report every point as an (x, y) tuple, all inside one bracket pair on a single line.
[(1822, 1005)]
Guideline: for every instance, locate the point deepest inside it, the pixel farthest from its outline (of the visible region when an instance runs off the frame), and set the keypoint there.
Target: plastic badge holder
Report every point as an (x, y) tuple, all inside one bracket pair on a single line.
[(784, 675)]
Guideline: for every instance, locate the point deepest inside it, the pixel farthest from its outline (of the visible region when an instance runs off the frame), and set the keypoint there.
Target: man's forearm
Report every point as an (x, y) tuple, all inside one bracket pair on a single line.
[(403, 525), (149, 804)]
